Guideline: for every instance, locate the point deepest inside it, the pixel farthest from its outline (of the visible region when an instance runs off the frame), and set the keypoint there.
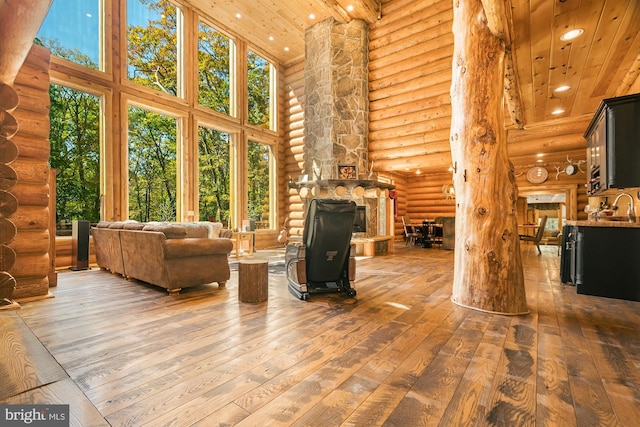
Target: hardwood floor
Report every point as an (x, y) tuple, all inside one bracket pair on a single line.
[(399, 354)]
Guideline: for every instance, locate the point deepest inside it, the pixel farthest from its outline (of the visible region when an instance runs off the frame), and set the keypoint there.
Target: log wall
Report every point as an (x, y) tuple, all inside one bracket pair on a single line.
[(410, 54), (31, 243), (293, 152)]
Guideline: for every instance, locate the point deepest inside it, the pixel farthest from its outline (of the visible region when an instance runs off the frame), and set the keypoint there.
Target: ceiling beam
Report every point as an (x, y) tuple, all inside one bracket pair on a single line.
[(335, 7), (500, 22), (367, 10)]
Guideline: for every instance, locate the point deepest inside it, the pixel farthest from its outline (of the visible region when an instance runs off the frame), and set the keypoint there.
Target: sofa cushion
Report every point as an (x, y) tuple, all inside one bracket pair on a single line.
[(169, 230), (131, 225), (195, 229), (119, 225), (214, 229)]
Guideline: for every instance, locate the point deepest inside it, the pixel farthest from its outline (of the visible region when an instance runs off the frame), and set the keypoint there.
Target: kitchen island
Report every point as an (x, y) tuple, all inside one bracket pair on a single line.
[(605, 258)]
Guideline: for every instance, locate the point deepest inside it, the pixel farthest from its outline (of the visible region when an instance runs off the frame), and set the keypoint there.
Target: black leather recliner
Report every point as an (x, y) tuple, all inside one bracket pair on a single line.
[(323, 261)]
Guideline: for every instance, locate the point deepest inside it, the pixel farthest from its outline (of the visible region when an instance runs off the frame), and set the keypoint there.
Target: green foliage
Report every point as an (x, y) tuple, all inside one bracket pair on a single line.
[(153, 62), (73, 55), (258, 87), (214, 174), (152, 50), (152, 166), (75, 153), (213, 69), (258, 178)]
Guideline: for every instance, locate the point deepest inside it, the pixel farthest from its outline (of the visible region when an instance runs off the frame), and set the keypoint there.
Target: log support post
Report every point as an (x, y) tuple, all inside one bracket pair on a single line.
[(488, 272)]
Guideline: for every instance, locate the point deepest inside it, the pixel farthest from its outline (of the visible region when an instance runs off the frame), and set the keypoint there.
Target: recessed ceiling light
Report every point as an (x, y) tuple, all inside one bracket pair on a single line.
[(270, 38), (312, 16), (539, 154), (562, 88), (286, 48), (350, 8), (570, 35), (238, 16), (89, 15), (557, 111), (418, 172)]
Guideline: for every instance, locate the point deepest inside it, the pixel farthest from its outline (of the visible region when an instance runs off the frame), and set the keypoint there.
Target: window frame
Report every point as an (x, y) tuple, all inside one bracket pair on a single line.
[(181, 139), (117, 93), (233, 70)]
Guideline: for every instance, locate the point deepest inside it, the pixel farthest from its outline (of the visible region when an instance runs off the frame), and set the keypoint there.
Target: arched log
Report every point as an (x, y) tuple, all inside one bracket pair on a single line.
[(8, 150)]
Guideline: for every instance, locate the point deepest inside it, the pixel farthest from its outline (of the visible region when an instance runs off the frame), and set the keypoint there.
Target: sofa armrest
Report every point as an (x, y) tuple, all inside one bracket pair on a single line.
[(183, 248)]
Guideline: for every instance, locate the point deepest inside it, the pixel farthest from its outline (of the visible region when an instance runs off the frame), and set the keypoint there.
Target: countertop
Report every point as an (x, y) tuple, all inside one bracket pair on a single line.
[(605, 223)]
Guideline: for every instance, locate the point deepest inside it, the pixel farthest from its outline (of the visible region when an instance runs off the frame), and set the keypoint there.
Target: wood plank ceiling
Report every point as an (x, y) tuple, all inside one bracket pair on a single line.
[(603, 62)]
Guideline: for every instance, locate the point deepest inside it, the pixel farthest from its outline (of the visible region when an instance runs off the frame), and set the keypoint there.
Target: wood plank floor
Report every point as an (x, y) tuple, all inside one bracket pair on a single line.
[(399, 354)]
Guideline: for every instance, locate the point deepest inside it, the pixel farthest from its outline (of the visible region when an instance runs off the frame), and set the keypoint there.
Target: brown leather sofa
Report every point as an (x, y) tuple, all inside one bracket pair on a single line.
[(170, 255)]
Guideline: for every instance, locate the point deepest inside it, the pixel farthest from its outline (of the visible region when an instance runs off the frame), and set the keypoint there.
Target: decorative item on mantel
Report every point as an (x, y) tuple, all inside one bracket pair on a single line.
[(347, 172)]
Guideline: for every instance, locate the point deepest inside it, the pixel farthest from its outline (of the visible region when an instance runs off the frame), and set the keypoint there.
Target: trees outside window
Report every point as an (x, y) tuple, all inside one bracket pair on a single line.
[(260, 74), (214, 174), (152, 44), (75, 153), (214, 69), (148, 53), (152, 166), (260, 179)]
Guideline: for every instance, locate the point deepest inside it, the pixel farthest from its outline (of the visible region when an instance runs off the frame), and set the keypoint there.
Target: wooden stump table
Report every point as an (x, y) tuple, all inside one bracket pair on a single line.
[(253, 280)]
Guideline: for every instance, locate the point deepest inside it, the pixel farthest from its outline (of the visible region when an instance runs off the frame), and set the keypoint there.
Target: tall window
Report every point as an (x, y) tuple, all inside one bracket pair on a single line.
[(214, 69), (75, 154), (72, 31), (152, 44), (261, 93), (152, 166), (260, 182), (214, 174)]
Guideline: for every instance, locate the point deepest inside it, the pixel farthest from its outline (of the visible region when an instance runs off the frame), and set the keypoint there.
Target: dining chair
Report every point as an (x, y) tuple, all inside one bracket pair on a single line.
[(536, 237), (411, 236)]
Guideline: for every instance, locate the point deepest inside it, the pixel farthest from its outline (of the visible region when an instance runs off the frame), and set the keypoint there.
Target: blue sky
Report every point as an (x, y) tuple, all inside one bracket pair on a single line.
[(75, 24)]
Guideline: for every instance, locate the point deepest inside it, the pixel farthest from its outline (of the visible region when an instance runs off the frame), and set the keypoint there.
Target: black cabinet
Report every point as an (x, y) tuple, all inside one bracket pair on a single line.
[(606, 261), (613, 145)]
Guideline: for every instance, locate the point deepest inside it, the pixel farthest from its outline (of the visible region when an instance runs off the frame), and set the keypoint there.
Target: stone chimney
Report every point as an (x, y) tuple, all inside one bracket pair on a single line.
[(337, 105), (336, 127)]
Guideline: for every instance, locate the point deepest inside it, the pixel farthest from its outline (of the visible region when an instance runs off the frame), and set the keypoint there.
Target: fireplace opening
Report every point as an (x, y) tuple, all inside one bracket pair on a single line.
[(360, 222)]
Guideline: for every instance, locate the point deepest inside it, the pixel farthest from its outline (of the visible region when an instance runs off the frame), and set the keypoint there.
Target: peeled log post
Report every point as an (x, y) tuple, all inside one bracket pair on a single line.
[(19, 24), (488, 272)]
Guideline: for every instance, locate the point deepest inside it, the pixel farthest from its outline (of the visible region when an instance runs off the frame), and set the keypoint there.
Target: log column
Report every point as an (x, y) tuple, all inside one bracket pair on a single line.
[(488, 272)]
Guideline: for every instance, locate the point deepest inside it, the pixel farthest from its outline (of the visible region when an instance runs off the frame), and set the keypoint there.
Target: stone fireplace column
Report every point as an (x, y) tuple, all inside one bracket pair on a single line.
[(337, 106)]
